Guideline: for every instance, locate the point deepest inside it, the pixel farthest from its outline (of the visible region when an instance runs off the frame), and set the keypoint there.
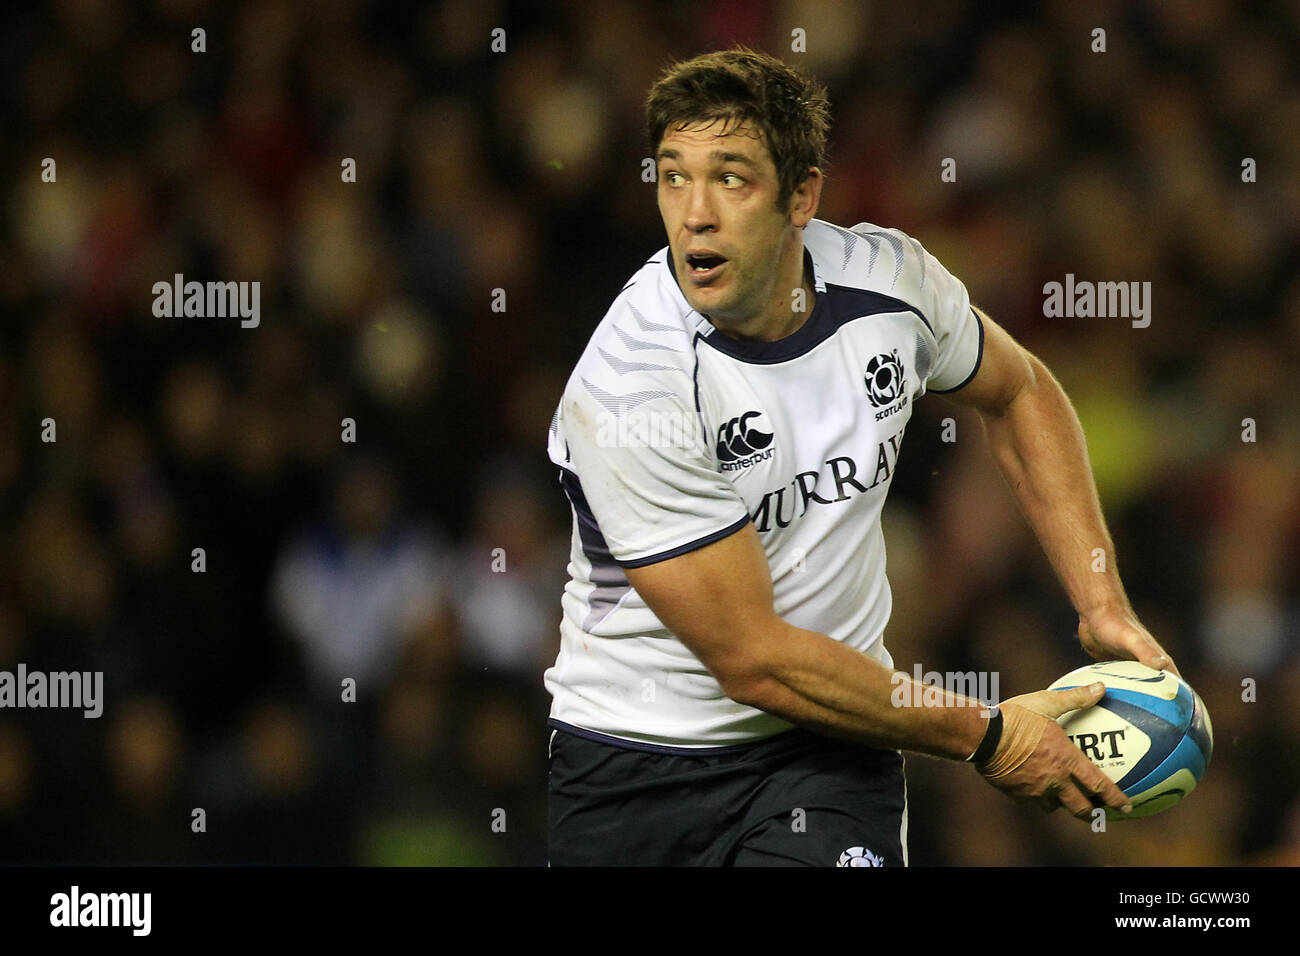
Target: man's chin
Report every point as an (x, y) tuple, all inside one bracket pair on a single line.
[(710, 305)]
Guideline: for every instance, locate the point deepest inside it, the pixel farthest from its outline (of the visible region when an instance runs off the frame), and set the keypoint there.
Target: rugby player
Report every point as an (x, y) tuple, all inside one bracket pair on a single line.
[(727, 441)]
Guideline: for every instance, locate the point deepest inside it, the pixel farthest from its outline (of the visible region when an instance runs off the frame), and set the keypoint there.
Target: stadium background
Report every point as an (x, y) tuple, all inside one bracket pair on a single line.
[(521, 171)]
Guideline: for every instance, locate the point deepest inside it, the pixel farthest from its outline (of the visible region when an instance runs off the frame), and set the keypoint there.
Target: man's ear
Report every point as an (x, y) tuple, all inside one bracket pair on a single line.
[(806, 197)]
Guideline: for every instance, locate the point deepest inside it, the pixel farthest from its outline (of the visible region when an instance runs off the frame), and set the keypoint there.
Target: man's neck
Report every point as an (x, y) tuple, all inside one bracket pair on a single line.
[(787, 315)]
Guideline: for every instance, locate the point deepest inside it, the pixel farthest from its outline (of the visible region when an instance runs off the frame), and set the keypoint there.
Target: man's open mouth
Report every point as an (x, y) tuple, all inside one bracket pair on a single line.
[(702, 264)]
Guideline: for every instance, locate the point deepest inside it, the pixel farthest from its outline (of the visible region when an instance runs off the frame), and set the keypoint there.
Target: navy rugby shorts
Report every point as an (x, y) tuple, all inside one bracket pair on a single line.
[(794, 799)]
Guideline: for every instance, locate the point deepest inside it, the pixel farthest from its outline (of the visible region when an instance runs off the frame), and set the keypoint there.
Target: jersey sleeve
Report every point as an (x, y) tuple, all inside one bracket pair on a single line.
[(638, 474), (958, 331), (944, 305)]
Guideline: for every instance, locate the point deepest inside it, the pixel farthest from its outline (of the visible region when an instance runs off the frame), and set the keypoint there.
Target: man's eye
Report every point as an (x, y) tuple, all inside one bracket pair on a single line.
[(736, 181), (672, 178)]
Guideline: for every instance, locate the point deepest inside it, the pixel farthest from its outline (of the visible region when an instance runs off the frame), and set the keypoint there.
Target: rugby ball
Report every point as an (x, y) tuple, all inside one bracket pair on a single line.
[(1150, 733)]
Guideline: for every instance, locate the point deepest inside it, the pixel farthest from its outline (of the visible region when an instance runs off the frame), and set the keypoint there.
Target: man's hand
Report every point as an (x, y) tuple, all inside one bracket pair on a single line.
[(1111, 633), (1035, 760)]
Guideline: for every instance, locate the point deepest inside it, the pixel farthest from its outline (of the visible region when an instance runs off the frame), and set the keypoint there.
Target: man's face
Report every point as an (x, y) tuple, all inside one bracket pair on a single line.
[(717, 195)]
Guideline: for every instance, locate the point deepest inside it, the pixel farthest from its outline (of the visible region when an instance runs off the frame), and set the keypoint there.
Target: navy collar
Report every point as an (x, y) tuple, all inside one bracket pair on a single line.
[(816, 329)]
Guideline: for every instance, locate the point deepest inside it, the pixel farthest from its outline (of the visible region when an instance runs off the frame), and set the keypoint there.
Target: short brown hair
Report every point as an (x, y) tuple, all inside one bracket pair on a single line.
[(739, 86)]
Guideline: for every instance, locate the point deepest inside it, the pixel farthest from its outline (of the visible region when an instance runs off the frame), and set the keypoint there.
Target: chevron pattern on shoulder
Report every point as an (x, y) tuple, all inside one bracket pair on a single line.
[(623, 367), (645, 325), (637, 345), (873, 238), (620, 405), (850, 240), (920, 255)]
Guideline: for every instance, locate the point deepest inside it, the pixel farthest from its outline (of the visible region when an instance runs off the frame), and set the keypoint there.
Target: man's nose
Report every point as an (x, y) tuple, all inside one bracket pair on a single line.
[(699, 210)]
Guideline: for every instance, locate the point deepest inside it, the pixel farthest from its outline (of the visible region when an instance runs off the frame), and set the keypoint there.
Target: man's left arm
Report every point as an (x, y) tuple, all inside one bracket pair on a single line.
[(1038, 443)]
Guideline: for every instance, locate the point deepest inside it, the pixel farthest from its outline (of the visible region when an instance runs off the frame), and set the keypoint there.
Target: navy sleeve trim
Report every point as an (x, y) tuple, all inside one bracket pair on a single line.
[(979, 360), (687, 548)]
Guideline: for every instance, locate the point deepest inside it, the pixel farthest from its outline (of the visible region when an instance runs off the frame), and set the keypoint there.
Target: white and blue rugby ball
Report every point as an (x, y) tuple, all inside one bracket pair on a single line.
[(1150, 733)]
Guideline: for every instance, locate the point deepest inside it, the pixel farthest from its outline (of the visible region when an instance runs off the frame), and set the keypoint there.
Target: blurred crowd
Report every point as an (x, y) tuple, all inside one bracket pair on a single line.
[(333, 648)]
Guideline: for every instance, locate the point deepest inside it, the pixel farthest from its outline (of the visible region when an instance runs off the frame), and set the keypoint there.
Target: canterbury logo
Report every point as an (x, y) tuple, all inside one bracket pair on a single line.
[(739, 438)]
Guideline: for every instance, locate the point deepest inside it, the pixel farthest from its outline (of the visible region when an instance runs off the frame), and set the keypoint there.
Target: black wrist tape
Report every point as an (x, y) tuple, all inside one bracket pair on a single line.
[(989, 745)]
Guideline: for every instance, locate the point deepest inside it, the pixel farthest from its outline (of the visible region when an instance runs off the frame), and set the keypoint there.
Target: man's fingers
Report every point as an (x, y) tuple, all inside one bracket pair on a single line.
[(1100, 789), (1085, 789), (1066, 795), (1072, 798), (1050, 798), (1054, 703), (1152, 656), (1080, 799)]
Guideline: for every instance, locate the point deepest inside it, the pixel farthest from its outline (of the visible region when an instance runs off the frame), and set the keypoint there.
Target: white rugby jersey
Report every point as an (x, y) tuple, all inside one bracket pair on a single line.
[(670, 435)]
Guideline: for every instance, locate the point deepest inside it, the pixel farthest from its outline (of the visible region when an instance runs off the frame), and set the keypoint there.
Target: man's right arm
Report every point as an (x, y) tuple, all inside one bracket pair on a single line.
[(718, 601)]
